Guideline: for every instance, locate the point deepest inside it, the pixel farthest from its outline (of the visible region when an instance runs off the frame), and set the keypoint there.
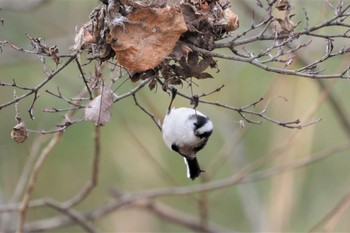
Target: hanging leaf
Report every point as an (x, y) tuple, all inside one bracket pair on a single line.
[(287, 25), (97, 110)]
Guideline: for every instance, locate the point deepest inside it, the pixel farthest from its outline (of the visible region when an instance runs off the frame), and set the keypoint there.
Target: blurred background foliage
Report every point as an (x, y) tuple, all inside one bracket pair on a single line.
[(134, 157)]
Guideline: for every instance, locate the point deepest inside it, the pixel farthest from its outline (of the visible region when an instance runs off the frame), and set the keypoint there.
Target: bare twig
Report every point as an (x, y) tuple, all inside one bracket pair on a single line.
[(148, 113), (132, 91), (91, 184), (163, 173), (22, 181), (33, 177), (74, 215), (311, 159), (35, 89), (183, 219), (83, 77), (126, 199)]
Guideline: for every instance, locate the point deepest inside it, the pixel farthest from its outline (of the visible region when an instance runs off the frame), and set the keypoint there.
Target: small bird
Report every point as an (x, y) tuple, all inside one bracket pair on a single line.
[(186, 131)]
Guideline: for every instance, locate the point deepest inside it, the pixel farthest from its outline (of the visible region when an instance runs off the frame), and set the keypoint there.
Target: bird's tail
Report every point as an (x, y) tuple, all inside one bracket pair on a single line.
[(193, 168)]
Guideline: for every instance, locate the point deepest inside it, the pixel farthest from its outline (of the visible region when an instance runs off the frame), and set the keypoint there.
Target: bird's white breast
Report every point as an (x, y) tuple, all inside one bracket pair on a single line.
[(177, 128)]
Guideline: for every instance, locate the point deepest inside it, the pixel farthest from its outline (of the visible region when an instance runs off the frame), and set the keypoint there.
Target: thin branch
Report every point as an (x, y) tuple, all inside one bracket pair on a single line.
[(148, 113), (271, 68), (165, 212), (214, 91), (132, 91), (74, 215), (60, 127), (91, 184), (163, 173), (309, 160), (126, 199), (41, 84), (60, 96), (33, 177), (83, 77), (36, 170)]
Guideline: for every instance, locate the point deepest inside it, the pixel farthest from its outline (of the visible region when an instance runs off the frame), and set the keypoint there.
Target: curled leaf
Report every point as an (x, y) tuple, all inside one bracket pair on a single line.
[(231, 19), (283, 5), (83, 37), (181, 50), (287, 25), (19, 132), (53, 52), (97, 110)]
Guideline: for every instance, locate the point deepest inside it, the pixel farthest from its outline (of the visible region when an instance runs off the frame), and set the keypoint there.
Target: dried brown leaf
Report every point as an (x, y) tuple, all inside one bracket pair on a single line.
[(147, 37), (152, 84), (53, 52), (283, 5), (87, 37), (195, 67), (287, 25), (192, 17), (181, 50), (203, 75), (231, 19)]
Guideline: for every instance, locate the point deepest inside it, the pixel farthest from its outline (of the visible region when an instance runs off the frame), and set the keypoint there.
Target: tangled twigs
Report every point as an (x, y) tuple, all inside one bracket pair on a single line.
[(240, 45), (36, 170), (281, 47), (203, 31), (36, 89), (245, 110)]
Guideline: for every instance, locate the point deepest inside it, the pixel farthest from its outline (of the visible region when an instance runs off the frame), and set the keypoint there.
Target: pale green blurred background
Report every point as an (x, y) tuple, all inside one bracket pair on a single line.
[(293, 201)]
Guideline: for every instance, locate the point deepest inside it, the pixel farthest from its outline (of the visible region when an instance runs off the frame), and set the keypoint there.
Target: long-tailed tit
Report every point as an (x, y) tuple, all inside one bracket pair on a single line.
[(186, 131)]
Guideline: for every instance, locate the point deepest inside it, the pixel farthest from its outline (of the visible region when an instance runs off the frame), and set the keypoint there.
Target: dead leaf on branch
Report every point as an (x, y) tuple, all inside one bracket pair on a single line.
[(97, 110), (231, 19), (196, 67), (154, 36), (147, 38), (286, 24), (42, 48), (181, 50), (283, 5), (53, 52)]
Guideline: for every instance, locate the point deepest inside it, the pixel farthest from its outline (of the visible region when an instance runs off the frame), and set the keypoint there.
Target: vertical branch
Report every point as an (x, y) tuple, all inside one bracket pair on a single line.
[(203, 205), (33, 177), (21, 183), (91, 184)]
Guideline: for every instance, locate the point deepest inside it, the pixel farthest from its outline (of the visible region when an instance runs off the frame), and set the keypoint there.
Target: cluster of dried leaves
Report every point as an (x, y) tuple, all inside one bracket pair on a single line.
[(155, 39)]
